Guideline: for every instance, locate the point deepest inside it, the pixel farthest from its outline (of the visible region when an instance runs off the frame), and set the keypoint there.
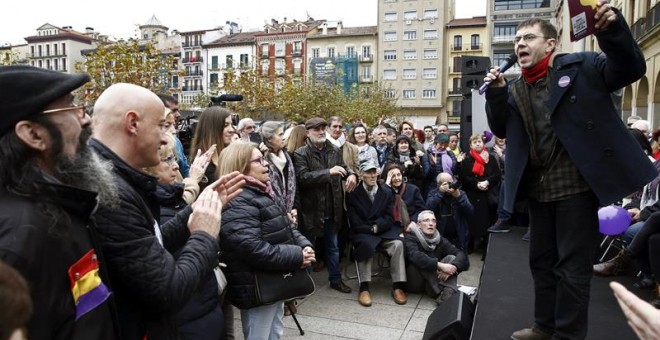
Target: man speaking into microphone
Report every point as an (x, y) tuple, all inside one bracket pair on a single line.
[(567, 151)]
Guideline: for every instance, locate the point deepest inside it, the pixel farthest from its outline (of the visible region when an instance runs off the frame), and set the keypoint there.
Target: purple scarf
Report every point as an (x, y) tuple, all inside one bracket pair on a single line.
[(446, 161)]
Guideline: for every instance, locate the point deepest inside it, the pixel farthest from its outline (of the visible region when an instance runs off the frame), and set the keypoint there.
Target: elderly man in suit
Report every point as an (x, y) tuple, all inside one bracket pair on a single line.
[(372, 227)]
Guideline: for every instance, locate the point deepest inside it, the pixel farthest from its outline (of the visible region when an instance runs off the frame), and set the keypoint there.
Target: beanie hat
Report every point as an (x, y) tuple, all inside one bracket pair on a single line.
[(25, 91)]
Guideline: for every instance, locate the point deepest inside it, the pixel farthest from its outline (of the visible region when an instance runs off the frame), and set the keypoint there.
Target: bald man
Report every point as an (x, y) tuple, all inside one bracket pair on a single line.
[(150, 284)]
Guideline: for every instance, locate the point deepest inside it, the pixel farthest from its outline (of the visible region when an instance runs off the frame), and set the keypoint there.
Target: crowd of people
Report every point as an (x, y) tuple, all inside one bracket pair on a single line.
[(108, 230)]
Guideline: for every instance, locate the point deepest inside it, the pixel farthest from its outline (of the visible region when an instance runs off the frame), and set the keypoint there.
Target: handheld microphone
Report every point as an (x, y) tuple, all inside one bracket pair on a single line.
[(505, 65)]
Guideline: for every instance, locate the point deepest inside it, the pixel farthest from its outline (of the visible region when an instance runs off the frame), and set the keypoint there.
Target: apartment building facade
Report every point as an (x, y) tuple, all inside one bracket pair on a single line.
[(351, 50), (411, 61), (465, 37), (234, 53), (282, 49), (194, 62), (59, 48)]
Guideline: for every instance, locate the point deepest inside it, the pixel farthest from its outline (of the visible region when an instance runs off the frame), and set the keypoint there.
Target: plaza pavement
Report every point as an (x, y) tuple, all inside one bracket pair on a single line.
[(329, 314)]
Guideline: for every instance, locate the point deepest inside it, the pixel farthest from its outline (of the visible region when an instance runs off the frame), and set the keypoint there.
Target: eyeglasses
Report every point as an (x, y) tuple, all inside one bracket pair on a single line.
[(529, 37), (260, 160), (427, 220), (169, 160), (81, 110)]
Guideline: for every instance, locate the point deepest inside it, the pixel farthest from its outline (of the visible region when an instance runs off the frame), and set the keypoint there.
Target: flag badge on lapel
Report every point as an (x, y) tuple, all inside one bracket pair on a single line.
[(87, 288)]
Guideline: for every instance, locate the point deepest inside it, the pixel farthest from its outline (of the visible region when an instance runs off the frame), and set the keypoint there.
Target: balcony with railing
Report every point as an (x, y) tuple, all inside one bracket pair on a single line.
[(366, 78), (296, 52), (264, 55), (458, 47), (455, 91), (643, 26), (475, 47), (503, 39), (366, 58), (192, 88), (194, 74), (192, 60), (297, 71)]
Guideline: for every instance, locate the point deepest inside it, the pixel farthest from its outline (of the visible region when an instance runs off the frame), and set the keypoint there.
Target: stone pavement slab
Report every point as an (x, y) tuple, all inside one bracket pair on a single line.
[(329, 314)]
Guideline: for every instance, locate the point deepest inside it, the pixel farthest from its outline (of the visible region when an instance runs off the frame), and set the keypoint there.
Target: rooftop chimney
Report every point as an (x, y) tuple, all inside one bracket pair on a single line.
[(339, 27), (89, 30), (324, 28)]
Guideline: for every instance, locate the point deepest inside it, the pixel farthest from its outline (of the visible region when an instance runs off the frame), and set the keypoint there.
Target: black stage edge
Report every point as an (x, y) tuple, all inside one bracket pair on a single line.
[(506, 297)]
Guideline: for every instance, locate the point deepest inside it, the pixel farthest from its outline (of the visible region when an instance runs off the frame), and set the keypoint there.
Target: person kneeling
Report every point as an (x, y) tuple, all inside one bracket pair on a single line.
[(433, 263)]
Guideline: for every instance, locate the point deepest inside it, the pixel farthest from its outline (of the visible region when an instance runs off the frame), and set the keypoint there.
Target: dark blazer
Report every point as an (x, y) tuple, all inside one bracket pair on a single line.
[(583, 118), (363, 214)]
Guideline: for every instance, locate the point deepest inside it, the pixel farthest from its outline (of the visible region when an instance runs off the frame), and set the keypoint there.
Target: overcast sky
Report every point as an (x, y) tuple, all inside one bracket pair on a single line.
[(119, 18)]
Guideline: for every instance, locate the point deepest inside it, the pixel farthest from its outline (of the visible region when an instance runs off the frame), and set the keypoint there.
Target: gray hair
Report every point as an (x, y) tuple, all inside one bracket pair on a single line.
[(423, 213), (267, 130), (243, 122)]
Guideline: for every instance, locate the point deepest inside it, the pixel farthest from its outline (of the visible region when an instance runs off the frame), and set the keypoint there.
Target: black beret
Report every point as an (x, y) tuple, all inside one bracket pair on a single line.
[(25, 91)]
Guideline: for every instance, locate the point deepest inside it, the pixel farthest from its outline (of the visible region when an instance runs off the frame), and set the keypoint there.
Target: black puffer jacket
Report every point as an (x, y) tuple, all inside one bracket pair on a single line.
[(316, 185), (255, 236), (150, 285)]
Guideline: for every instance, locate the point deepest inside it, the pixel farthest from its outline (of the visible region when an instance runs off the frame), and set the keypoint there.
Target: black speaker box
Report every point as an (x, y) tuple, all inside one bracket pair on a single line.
[(469, 82), (466, 124), (452, 320), (475, 65)]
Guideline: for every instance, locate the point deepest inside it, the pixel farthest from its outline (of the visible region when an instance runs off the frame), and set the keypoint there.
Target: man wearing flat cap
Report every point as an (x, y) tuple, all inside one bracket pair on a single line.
[(50, 184), (373, 228), (320, 170)]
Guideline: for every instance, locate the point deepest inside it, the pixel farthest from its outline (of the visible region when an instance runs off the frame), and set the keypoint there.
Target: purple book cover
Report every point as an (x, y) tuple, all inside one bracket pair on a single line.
[(582, 14)]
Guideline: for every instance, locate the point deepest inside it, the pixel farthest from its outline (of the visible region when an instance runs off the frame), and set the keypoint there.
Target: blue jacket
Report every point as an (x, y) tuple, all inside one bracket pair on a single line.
[(583, 118)]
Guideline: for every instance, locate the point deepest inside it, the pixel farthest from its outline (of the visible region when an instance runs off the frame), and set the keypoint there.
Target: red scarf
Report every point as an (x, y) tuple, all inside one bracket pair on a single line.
[(537, 71), (479, 166)]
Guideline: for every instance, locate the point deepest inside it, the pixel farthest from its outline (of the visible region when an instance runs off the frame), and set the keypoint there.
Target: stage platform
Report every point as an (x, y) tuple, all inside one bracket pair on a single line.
[(505, 299)]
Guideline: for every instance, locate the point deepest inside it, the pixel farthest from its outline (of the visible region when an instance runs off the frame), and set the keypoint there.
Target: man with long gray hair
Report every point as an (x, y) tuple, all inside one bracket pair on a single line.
[(50, 184)]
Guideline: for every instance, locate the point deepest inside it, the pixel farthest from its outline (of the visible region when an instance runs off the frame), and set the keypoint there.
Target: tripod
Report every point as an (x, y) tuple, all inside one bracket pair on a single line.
[(291, 305)]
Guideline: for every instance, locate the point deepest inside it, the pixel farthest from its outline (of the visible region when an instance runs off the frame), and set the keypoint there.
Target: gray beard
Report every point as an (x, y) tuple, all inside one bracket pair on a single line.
[(89, 172), (319, 140)]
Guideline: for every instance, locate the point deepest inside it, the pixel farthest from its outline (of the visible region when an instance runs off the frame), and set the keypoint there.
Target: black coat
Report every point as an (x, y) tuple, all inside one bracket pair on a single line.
[(43, 252), (484, 208), (255, 237), (316, 185), (427, 260), (363, 214), (583, 118), (202, 314), (413, 199), (150, 284)]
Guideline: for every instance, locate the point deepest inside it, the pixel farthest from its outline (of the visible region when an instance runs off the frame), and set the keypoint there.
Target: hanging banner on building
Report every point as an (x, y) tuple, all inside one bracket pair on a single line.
[(324, 71)]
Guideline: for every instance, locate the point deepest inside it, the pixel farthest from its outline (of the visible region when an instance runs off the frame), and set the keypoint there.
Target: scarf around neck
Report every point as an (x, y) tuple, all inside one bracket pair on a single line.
[(428, 243), (538, 71), (399, 209), (479, 167), (265, 187), (283, 184)]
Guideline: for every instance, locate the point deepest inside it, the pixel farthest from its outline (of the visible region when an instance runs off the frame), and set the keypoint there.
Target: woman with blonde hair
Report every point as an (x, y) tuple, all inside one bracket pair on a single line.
[(297, 138), (256, 236)]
